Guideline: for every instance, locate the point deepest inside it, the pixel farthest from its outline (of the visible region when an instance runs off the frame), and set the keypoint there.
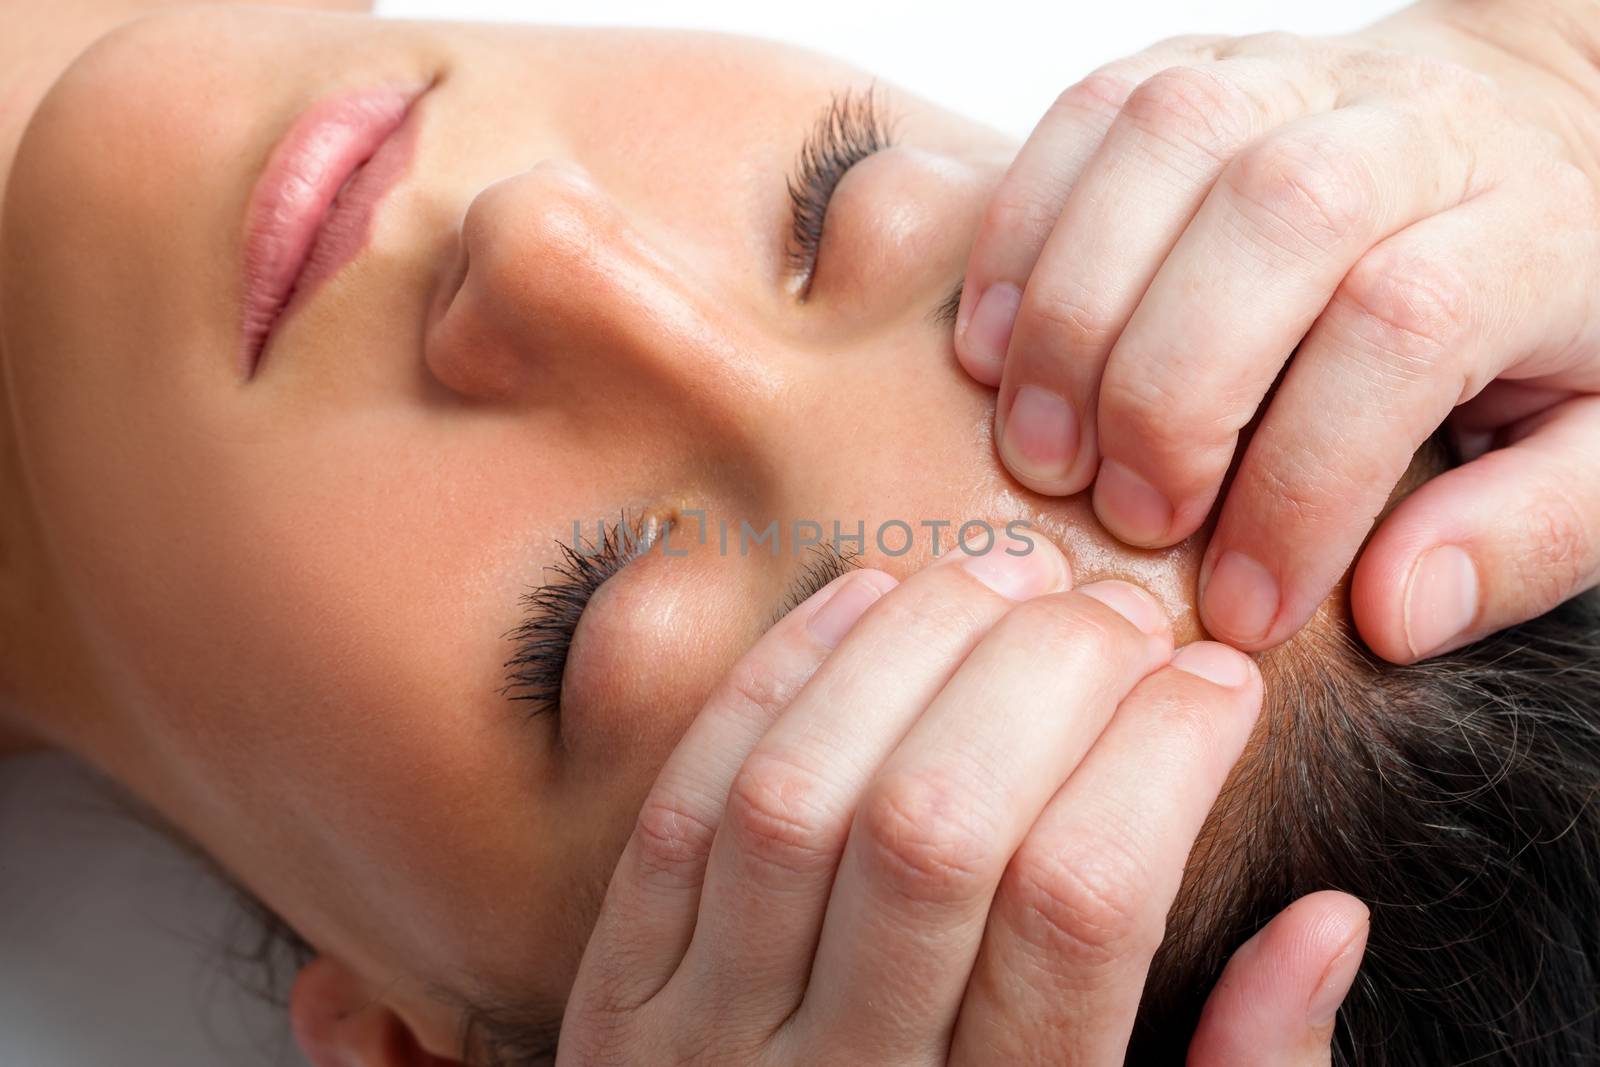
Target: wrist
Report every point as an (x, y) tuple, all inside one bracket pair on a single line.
[(1544, 53), (1576, 23)]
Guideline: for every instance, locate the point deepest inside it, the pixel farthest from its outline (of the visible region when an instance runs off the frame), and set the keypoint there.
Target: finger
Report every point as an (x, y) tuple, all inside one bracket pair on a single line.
[(1289, 217), (1023, 208), (649, 911), (1481, 547), (1162, 155), (1474, 425), (935, 829), (1503, 402), (1277, 999), (1084, 901), (789, 806), (1419, 323)]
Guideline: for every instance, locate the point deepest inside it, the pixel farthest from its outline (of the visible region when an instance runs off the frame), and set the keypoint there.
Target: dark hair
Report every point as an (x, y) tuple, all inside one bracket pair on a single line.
[(1453, 797)]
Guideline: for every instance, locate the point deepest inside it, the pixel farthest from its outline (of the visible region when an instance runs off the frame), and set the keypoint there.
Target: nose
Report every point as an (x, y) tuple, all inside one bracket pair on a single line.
[(556, 297)]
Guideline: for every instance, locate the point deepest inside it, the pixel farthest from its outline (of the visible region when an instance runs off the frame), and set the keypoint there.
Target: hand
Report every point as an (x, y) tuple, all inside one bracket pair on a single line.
[(1405, 233), (915, 825)]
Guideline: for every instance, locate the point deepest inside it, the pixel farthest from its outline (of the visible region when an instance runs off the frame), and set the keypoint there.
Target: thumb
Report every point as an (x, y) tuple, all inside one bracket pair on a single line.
[(1279, 995), (1488, 544)]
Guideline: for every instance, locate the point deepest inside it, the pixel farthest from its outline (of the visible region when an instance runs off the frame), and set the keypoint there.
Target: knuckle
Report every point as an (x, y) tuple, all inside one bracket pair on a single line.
[(1269, 42), (778, 816), (1064, 626), (1202, 43), (943, 609), (1070, 316), (1452, 83), (1192, 107), (1302, 192), (1021, 213), (1413, 309), (1561, 559), (1100, 94), (1574, 190), (926, 838), (1152, 411), (597, 1037), (672, 842), (1303, 494), (1144, 410), (755, 692), (1079, 903)]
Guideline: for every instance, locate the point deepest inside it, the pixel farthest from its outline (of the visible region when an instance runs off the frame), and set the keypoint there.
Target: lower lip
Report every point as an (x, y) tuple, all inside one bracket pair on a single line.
[(312, 208)]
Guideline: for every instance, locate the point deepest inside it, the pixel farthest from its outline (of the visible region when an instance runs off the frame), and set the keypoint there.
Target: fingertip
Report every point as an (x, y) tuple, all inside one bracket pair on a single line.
[(833, 610), (1272, 1004), (970, 285), (1130, 507), (1343, 924), (1217, 663), (1375, 584), (1240, 599), (880, 580), (1440, 603), (982, 339), (983, 371), (1415, 588), (1132, 603), (1016, 574), (1321, 925)]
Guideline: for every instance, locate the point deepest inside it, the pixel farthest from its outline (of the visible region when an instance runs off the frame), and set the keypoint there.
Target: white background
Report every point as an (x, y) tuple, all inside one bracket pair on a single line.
[(1000, 60), (109, 937)]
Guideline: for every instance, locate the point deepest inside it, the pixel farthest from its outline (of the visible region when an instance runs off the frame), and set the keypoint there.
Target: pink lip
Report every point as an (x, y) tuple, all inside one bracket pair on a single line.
[(311, 211)]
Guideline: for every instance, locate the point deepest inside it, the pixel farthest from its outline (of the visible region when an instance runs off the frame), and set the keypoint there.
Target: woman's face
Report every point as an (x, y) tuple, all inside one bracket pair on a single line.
[(576, 302)]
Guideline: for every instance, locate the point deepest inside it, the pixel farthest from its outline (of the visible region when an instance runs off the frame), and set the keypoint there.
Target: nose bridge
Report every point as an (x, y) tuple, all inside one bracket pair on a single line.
[(563, 300)]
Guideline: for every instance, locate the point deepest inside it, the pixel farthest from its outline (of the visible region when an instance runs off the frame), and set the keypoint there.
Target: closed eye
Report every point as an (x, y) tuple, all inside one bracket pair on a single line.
[(551, 611), (852, 127)]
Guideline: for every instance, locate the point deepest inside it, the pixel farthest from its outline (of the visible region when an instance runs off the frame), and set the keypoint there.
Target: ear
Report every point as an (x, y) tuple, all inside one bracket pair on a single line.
[(338, 1023)]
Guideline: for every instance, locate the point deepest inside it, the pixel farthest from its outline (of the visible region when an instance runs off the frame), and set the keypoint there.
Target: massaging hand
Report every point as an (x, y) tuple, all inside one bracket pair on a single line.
[(947, 833), (1182, 219)]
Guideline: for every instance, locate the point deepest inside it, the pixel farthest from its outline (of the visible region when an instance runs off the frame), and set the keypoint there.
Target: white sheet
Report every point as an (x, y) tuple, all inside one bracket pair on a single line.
[(107, 934)]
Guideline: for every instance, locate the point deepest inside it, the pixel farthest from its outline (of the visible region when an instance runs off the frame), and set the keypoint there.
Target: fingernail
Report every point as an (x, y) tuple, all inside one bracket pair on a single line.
[(1038, 570), (1241, 598), (1129, 506), (830, 622), (1040, 437), (989, 330), (1129, 601), (1214, 662), (1441, 598), (1337, 980)]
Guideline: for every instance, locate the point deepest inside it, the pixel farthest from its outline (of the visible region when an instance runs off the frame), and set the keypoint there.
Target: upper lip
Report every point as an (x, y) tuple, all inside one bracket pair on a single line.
[(325, 147)]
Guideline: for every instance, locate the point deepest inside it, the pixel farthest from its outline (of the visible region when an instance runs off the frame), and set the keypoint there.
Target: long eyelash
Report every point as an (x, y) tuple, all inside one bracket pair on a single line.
[(827, 562), (551, 612), (852, 128), (945, 314)]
